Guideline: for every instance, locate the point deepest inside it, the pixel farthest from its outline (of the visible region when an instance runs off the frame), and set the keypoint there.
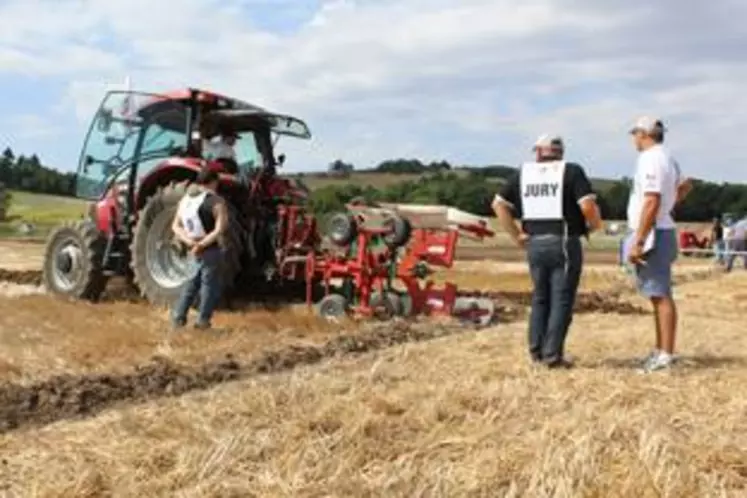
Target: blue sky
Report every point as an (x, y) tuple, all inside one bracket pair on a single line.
[(469, 81)]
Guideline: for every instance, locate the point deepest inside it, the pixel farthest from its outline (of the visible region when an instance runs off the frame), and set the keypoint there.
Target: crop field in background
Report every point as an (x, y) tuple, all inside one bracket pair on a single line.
[(375, 179), (47, 211), (104, 399), (43, 211)]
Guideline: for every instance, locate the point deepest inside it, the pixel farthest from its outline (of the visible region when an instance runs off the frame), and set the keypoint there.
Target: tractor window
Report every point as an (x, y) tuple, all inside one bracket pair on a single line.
[(247, 154), (116, 137), (109, 145), (158, 144)]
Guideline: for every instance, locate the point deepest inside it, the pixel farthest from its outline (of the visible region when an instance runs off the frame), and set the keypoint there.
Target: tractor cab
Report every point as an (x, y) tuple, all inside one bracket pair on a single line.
[(136, 140)]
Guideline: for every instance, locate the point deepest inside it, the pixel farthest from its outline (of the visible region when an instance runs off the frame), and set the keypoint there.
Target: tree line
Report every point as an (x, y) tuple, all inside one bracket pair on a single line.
[(473, 188), (28, 173), (468, 188)]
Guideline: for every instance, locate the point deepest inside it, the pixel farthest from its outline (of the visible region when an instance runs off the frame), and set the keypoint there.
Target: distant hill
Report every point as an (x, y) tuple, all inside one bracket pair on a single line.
[(380, 180)]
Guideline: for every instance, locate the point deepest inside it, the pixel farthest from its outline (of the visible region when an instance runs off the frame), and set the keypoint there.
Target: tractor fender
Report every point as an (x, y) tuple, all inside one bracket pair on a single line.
[(176, 170)]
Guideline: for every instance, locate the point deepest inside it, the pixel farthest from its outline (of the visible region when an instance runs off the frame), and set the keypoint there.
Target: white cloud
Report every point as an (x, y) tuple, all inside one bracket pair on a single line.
[(471, 80), (31, 127)]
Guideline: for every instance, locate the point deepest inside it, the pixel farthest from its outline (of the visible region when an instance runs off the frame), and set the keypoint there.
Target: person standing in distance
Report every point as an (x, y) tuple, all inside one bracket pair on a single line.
[(717, 240), (200, 220), (652, 245), (737, 244), (556, 206)]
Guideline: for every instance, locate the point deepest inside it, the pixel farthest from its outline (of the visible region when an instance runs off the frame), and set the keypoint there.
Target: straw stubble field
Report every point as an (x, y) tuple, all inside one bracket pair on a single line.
[(103, 400)]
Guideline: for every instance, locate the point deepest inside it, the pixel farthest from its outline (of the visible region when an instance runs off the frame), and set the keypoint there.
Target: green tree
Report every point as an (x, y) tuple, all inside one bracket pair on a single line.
[(5, 200), (340, 168)]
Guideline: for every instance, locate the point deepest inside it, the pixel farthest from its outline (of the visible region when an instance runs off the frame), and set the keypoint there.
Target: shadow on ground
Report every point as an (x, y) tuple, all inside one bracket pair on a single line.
[(688, 362)]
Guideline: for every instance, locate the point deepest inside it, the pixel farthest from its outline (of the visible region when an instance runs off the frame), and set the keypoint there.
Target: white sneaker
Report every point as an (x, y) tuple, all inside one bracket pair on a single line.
[(660, 361), (647, 359)]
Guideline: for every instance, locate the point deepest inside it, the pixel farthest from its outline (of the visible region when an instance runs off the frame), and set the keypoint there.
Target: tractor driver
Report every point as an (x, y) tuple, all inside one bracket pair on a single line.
[(220, 148), (200, 221)]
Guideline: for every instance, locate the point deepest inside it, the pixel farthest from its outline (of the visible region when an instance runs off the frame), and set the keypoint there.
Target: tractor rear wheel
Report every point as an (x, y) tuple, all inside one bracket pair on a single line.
[(160, 262), (72, 261)]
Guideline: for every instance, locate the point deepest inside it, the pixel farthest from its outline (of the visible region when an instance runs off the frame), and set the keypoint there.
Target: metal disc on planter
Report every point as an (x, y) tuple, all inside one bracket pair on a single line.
[(475, 310), (386, 305), (332, 307)]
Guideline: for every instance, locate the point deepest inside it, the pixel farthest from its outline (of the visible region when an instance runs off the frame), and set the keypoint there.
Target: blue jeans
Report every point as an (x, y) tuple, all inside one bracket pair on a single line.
[(555, 265), (719, 247), (206, 283)]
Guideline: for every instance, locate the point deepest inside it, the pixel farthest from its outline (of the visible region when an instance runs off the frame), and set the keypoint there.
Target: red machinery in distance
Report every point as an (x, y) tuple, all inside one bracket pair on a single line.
[(693, 245), (379, 246)]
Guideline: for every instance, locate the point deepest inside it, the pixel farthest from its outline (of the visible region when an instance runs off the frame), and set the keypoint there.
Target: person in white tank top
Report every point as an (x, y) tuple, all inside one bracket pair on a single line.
[(200, 220)]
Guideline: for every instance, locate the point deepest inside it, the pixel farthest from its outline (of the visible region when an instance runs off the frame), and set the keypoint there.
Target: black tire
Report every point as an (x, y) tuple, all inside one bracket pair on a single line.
[(400, 231), (386, 305), (342, 229), (332, 306), (73, 257), (160, 282)]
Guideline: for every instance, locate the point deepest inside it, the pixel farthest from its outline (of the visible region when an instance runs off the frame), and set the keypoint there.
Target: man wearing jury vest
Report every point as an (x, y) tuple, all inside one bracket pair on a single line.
[(200, 220), (556, 206)]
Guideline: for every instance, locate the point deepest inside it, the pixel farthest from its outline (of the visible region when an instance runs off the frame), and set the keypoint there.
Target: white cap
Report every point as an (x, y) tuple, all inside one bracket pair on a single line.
[(647, 124), (548, 141)]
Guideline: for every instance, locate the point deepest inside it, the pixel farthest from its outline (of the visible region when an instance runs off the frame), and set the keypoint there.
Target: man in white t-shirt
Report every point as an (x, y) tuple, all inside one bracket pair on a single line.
[(652, 244)]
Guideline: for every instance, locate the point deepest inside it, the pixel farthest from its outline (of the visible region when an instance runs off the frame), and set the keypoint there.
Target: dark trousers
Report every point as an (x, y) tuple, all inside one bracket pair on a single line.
[(555, 265), (206, 283)]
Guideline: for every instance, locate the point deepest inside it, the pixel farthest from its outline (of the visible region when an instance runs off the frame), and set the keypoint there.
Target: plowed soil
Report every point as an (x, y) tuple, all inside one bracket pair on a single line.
[(21, 277), (75, 396), (84, 394), (70, 396)]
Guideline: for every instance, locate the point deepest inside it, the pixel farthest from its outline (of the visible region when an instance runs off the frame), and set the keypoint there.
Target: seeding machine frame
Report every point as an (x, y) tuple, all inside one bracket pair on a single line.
[(386, 245)]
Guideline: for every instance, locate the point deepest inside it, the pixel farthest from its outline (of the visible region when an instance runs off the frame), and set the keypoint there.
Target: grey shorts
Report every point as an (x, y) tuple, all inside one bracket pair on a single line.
[(654, 278)]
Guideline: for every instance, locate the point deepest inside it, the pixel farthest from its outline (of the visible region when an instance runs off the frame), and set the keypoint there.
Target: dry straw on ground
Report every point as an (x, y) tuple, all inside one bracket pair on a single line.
[(461, 416)]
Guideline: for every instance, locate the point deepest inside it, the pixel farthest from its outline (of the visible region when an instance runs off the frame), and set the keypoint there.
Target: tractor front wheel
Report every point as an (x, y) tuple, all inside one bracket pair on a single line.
[(72, 261)]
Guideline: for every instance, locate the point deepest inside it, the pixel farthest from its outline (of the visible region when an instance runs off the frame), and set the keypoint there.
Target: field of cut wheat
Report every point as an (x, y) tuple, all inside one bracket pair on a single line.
[(105, 400)]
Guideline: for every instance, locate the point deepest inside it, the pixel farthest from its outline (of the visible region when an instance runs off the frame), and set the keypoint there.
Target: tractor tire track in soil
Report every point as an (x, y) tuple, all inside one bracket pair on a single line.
[(585, 302), (21, 277), (79, 396)]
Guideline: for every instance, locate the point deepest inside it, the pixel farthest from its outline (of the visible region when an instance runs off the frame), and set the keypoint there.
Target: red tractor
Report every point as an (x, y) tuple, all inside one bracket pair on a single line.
[(141, 154)]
